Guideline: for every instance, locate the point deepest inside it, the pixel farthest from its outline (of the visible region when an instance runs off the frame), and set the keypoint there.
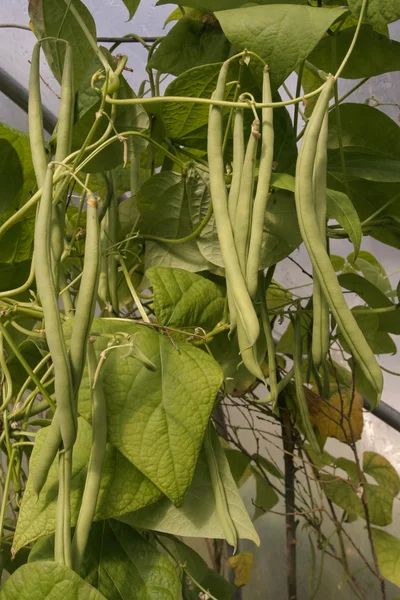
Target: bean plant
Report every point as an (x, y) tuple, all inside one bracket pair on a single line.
[(152, 361)]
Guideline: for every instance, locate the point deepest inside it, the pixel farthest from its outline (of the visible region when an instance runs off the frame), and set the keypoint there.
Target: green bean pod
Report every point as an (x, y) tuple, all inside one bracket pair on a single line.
[(248, 353), (35, 119), (47, 455), (243, 217), (272, 371), (112, 265), (104, 288), (262, 191), (221, 501), (301, 402), (320, 327), (63, 149), (86, 302), (237, 163), (62, 535), (95, 466), (49, 299), (232, 309), (279, 388), (219, 196), (323, 269)]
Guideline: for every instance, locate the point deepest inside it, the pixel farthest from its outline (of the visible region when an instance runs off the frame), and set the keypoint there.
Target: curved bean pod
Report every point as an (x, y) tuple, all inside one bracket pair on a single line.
[(279, 388), (310, 233), (95, 466), (237, 163), (49, 300), (301, 402), (35, 119), (273, 383), (249, 353), (262, 191), (219, 197), (320, 327), (47, 455), (242, 227), (85, 305)]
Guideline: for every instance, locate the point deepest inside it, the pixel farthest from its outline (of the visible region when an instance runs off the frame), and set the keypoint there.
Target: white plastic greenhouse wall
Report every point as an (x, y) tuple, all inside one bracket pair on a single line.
[(268, 580)]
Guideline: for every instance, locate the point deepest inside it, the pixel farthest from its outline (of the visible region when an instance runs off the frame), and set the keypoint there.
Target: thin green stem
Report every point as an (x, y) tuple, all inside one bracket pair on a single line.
[(132, 290)]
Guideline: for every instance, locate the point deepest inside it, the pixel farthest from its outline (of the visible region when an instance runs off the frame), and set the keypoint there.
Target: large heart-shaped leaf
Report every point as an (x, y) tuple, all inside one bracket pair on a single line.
[(380, 138), (197, 517), (132, 6), (340, 208), (156, 419), (379, 12), (387, 548), (123, 488), (342, 493), (373, 296), (11, 174), (190, 43), (47, 579), (226, 4), (121, 563), (373, 53), (185, 300), (283, 35), (52, 18), (382, 471)]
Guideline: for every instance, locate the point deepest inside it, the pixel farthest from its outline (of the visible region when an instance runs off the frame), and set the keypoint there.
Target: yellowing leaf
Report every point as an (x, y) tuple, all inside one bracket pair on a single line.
[(333, 416), (242, 564)]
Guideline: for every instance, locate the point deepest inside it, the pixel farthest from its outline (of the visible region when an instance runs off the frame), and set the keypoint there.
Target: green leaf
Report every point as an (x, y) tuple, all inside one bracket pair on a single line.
[(381, 138), (156, 419), (379, 341), (185, 300), (373, 54), (197, 517), (267, 29), (268, 466), (199, 198), (380, 501), (16, 244), (47, 17), (239, 465), (387, 548), (227, 4), (11, 175), (283, 181), (190, 43), (45, 580), (389, 321), (372, 169), (342, 210), (196, 568), (281, 229), (123, 488), (132, 6), (266, 497), (382, 471), (379, 12), (121, 563), (163, 205), (338, 262), (373, 272)]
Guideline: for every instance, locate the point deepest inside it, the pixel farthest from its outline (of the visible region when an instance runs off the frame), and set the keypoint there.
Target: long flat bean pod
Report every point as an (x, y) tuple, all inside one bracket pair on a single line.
[(301, 402), (219, 197), (237, 163), (242, 226), (320, 327), (323, 269), (49, 299), (249, 353), (95, 466), (112, 265), (85, 305), (272, 372), (62, 535), (47, 455), (63, 149), (35, 119), (221, 501), (262, 191)]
